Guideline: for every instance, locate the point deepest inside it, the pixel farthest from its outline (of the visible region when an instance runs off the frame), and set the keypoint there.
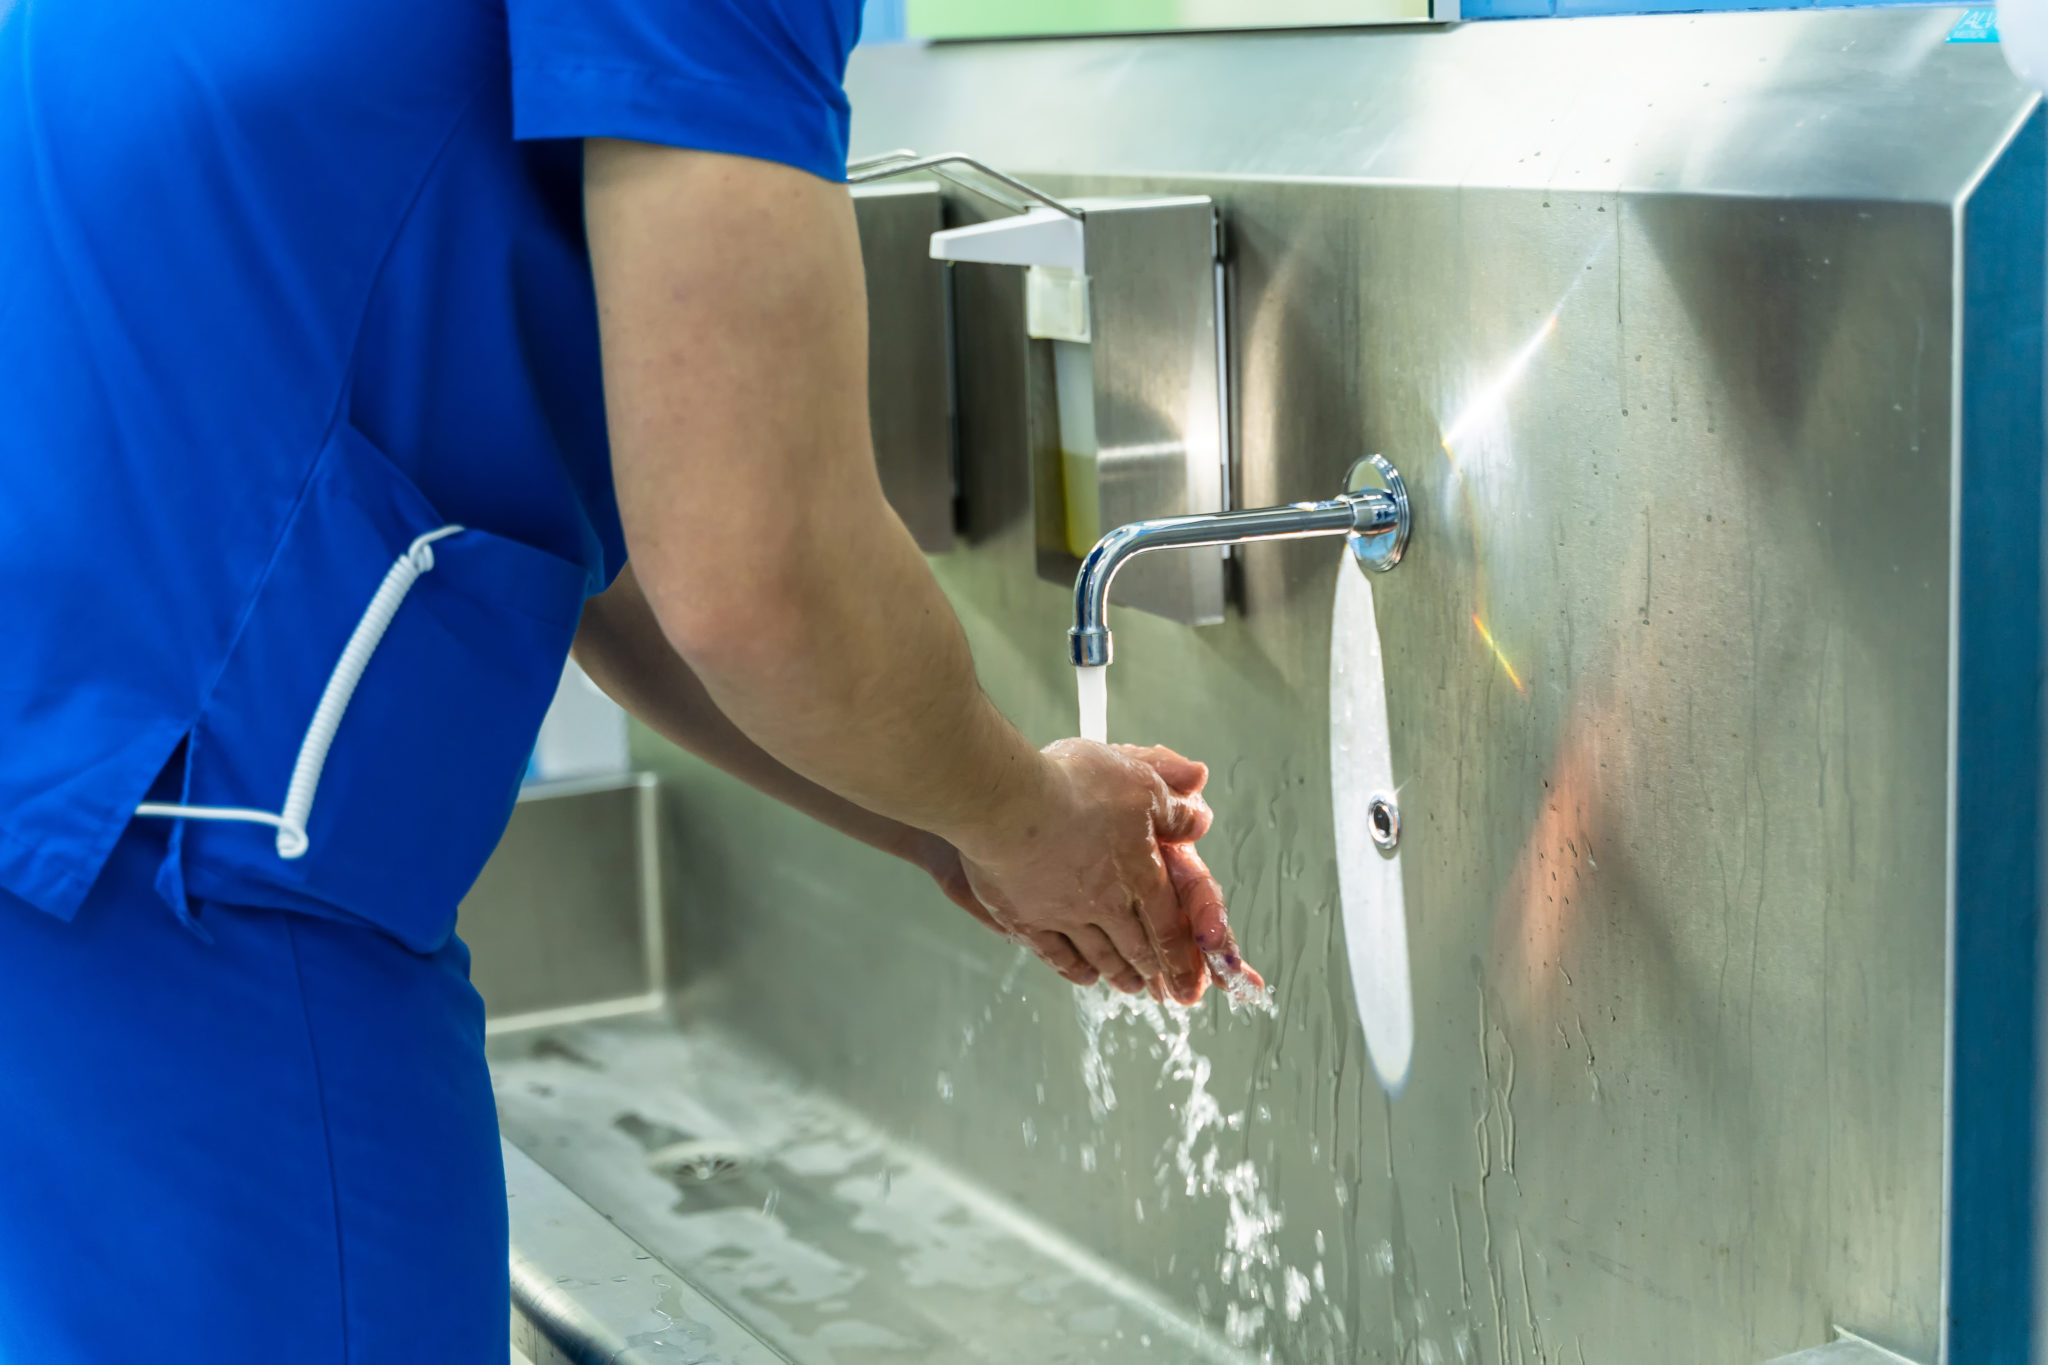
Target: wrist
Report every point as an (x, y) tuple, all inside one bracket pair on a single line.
[(1015, 811)]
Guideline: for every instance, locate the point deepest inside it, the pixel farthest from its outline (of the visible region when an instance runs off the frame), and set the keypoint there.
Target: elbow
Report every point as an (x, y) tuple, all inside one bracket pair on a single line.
[(752, 592), (735, 623)]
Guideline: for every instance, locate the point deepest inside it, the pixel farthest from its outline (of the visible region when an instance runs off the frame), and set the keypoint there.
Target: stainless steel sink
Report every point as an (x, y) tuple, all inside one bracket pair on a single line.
[(583, 1291), (1709, 347), (676, 1195)]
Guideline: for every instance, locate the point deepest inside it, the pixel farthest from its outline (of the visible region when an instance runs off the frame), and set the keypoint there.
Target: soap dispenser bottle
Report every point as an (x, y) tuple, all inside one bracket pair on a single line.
[(1127, 293)]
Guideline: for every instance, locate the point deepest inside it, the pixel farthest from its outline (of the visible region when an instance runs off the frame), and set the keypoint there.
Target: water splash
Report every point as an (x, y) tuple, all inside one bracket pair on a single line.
[(1238, 986), (1249, 1267), (1097, 1007), (1299, 1292)]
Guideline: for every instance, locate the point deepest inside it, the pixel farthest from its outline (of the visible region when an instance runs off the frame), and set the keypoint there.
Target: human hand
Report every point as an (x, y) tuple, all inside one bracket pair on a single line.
[(1200, 897), (1079, 874), (1201, 900)]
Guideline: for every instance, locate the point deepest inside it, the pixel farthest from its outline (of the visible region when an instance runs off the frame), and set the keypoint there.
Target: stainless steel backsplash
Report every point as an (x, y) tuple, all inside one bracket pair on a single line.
[(1668, 356)]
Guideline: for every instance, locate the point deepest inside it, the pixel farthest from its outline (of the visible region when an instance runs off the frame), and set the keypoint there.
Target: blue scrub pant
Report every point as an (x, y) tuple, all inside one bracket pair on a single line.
[(276, 1146)]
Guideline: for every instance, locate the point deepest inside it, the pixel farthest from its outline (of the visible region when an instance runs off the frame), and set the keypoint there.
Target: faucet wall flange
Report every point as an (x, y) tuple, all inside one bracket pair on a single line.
[(1375, 549)]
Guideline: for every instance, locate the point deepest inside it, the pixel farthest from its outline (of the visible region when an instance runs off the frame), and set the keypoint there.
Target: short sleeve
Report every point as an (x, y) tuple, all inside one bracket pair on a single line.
[(759, 78)]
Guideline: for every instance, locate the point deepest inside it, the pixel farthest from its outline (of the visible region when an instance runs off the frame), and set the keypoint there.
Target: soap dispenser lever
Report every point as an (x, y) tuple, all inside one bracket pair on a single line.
[(1374, 513), (903, 161)]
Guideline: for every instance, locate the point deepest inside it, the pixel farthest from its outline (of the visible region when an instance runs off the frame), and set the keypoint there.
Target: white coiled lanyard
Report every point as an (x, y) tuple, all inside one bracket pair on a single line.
[(290, 823)]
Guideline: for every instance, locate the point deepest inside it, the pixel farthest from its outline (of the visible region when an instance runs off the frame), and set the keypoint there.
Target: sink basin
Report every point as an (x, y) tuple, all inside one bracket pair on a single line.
[(753, 1219)]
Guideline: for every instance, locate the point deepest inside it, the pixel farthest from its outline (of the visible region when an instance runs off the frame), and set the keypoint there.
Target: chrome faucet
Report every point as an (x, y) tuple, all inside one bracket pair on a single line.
[(1373, 512)]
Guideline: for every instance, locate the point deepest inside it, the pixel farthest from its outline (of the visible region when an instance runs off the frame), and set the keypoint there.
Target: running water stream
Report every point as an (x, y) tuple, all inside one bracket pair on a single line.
[(1093, 686), (1250, 1267)]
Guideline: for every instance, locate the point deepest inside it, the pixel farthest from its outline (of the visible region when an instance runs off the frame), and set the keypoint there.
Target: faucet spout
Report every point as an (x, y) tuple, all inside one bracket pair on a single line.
[(1375, 518)]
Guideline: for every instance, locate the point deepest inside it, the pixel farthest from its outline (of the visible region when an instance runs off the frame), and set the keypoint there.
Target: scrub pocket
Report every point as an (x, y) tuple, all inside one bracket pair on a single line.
[(424, 767)]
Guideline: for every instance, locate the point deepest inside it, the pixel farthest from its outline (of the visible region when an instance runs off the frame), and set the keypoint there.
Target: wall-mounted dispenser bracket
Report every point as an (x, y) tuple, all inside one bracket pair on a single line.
[(1127, 292)]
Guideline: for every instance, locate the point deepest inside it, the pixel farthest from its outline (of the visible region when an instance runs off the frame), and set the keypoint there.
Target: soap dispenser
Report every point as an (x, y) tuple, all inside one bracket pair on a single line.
[(1051, 246), (1127, 294)]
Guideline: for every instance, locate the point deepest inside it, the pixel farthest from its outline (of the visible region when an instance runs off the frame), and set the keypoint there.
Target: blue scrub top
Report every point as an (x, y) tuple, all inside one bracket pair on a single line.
[(282, 287)]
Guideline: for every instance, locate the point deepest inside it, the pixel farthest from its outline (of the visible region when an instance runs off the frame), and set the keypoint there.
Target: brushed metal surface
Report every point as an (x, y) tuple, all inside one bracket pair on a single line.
[(1845, 1352), (567, 913), (585, 1293), (819, 1236), (1840, 104), (1676, 881), (1158, 394), (1147, 319), (1657, 316), (910, 363)]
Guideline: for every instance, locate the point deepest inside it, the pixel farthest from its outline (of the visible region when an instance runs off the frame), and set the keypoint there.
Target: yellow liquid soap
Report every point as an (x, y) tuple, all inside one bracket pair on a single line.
[(1080, 490), (1081, 497)]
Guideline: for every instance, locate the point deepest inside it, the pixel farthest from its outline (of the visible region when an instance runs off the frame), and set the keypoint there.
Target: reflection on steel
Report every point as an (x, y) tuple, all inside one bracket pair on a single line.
[(1479, 624), (1372, 515), (1161, 391), (1489, 399), (1701, 1108), (1479, 454)]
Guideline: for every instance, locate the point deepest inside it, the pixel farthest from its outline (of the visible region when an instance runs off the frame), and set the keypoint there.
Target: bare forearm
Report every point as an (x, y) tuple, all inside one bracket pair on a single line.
[(734, 336), (735, 379), (855, 669), (622, 647)]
